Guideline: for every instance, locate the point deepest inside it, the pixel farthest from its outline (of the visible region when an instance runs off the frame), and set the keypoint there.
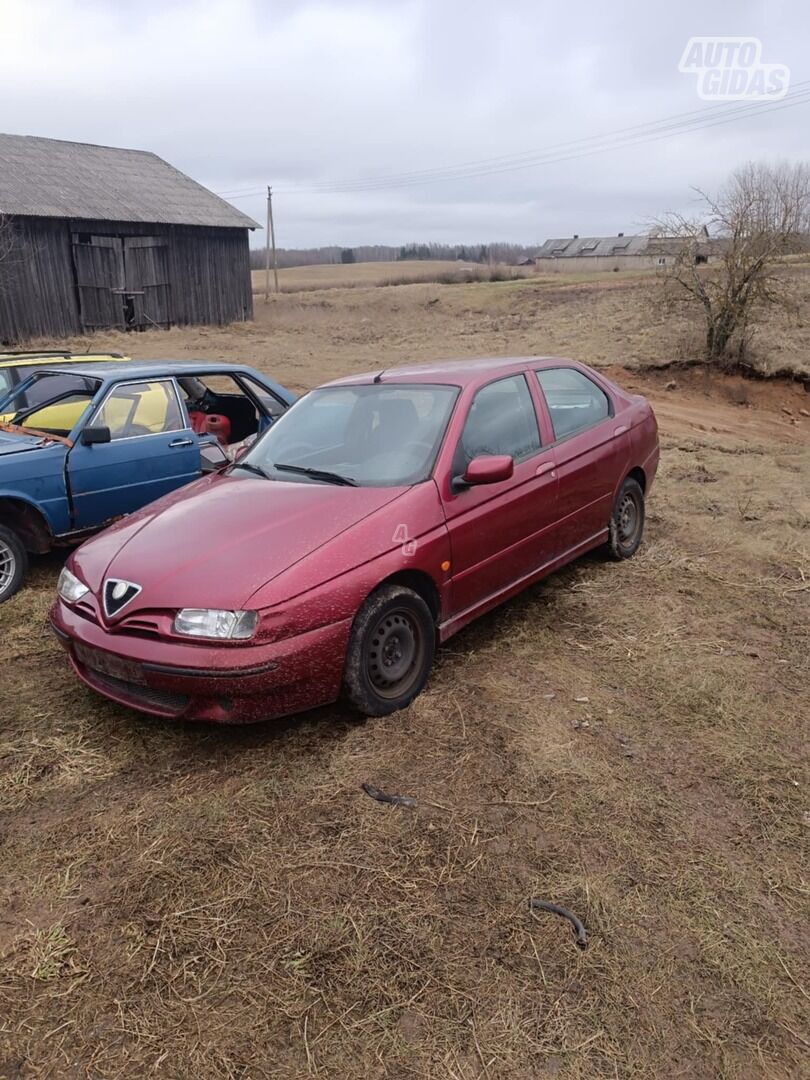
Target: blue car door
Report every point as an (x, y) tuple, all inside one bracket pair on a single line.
[(151, 450)]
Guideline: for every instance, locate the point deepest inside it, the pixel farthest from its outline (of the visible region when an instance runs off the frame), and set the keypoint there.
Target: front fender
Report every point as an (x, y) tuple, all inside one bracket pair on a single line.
[(36, 478)]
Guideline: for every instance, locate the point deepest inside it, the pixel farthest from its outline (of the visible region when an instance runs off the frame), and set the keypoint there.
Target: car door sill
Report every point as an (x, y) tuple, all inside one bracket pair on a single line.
[(456, 622)]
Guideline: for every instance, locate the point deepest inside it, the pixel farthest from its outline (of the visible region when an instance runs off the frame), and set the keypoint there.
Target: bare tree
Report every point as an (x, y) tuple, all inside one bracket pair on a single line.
[(761, 215)]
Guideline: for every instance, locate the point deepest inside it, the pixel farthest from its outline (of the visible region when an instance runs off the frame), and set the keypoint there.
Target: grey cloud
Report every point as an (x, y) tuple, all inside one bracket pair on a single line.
[(240, 93)]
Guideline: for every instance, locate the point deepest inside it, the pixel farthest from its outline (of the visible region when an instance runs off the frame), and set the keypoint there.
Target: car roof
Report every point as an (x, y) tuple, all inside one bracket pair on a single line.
[(134, 369), (454, 372), (26, 359)]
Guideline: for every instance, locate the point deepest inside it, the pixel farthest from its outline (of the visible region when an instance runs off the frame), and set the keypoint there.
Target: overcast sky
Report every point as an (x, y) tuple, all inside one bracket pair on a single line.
[(241, 93)]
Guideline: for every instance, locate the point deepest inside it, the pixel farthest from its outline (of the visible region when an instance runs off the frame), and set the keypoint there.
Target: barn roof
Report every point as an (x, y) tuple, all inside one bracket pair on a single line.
[(57, 179), (572, 246), (569, 247)]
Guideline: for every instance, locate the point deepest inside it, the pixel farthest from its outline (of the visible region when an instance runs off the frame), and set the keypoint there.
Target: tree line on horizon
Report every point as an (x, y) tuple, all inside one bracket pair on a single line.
[(334, 253)]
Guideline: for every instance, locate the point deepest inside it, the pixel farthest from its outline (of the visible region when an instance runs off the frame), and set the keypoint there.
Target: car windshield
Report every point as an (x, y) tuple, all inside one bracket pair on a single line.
[(380, 435), (46, 388)]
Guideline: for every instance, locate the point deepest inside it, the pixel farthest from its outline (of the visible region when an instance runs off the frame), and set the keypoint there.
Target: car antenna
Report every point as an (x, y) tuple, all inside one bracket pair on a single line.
[(378, 377)]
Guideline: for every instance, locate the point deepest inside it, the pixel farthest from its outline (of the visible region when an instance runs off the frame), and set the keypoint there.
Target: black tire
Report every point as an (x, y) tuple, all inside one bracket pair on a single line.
[(13, 563), (626, 520), (390, 653)]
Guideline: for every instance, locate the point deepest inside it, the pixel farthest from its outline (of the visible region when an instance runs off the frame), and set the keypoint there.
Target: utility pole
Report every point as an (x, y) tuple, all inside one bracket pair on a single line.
[(270, 243)]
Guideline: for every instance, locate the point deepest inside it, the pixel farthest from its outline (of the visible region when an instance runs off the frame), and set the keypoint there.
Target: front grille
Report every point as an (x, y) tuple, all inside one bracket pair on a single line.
[(86, 610), (159, 699), (139, 626)]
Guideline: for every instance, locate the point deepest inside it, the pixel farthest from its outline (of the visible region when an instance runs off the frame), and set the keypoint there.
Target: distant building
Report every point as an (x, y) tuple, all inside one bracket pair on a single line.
[(97, 237), (578, 253)]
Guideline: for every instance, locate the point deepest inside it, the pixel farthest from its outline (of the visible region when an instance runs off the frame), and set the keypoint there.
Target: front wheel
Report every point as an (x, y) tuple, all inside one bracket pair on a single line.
[(626, 520), (13, 563), (390, 651)]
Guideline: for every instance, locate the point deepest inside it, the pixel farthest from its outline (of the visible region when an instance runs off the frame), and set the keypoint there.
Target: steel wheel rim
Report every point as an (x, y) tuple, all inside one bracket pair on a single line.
[(8, 566), (628, 520), (395, 653)]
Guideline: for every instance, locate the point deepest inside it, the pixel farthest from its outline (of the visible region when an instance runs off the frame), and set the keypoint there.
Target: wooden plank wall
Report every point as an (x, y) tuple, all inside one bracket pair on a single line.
[(208, 273), (37, 284)]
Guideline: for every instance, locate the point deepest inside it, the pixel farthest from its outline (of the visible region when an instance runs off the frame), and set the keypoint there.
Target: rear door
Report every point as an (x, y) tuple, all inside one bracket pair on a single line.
[(591, 452), (499, 533), (152, 451)]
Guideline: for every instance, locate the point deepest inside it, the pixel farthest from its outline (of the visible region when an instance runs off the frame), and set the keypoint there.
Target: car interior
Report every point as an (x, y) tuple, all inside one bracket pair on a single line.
[(219, 406), (387, 436)]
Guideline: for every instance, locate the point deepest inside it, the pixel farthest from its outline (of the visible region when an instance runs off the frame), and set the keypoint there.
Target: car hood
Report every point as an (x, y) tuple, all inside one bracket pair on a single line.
[(14, 444), (216, 542)]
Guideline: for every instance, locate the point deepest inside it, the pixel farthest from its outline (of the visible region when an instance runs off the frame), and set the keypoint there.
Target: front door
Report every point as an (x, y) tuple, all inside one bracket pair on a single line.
[(152, 451), (499, 533)]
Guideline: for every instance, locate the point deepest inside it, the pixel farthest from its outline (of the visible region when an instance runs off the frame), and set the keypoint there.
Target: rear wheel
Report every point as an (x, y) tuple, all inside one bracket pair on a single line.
[(627, 520), (390, 651), (13, 563)]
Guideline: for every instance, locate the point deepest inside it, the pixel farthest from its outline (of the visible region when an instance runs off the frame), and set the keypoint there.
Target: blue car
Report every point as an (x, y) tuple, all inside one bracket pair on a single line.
[(82, 447)]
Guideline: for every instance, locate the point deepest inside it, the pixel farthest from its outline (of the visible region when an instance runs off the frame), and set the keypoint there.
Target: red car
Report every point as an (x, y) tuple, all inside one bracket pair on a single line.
[(376, 518)]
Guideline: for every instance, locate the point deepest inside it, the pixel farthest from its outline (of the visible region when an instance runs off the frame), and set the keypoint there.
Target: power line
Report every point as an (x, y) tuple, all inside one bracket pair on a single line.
[(636, 135), (686, 117), (678, 120), (667, 131)]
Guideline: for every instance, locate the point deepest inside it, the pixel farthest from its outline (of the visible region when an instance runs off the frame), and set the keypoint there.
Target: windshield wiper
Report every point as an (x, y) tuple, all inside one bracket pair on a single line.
[(317, 474), (250, 467)]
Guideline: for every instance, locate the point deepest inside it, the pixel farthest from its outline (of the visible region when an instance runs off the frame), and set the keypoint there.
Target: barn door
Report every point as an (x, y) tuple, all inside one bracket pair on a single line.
[(147, 281), (99, 262)]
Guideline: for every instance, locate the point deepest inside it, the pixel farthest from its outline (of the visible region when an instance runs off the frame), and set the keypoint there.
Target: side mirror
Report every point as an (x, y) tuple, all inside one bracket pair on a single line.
[(491, 469), (92, 436)]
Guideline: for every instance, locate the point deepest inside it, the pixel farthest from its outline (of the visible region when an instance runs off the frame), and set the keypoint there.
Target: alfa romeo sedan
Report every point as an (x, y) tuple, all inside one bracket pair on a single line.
[(372, 521)]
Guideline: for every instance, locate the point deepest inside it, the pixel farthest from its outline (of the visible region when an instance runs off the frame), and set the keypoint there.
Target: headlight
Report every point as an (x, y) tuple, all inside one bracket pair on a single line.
[(69, 588), (209, 623)]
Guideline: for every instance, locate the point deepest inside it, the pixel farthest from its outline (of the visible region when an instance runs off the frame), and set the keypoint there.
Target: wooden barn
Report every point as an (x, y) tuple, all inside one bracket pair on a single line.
[(95, 237)]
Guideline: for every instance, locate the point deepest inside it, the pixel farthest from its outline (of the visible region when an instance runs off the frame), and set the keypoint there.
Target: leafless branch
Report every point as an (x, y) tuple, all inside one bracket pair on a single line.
[(728, 256)]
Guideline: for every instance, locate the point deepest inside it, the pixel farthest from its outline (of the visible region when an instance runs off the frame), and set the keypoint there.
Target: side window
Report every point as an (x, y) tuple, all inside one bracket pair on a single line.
[(274, 407), (501, 420), (146, 408), (574, 401)]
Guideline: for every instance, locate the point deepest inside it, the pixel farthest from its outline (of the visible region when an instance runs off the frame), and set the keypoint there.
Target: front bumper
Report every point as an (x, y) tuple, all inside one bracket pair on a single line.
[(221, 684)]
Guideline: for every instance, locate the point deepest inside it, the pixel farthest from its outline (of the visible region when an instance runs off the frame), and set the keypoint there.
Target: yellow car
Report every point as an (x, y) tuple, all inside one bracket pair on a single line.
[(16, 366)]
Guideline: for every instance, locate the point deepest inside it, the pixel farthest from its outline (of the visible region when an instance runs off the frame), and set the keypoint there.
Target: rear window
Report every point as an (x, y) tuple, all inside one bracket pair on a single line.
[(574, 401)]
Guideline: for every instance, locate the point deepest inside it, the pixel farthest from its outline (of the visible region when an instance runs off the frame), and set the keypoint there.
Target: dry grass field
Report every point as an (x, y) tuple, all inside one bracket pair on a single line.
[(354, 275), (629, 740)]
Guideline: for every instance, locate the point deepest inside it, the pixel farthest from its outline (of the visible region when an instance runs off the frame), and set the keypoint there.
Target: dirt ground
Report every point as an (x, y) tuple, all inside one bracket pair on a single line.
[(629, 740)]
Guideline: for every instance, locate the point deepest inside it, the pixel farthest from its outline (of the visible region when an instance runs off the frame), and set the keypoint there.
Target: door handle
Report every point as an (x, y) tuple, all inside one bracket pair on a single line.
[(544, 467), (620, 430), (180, 442)]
